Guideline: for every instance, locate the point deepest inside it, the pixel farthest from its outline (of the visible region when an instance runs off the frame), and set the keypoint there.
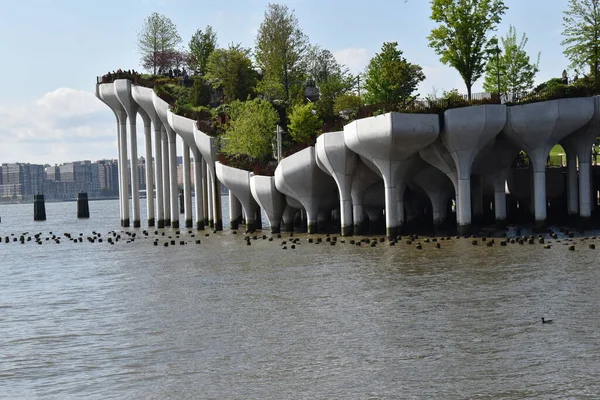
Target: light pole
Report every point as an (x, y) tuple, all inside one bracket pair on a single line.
[(498, 68)]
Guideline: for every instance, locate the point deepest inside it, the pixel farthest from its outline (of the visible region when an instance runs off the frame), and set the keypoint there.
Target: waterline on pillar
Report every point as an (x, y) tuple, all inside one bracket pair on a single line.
[(160, 224), (125, 223), (137, 223), (175, 224), (391, 231), (347, 230), (464, 229), (200, 225), (189, 223), (151, 222)]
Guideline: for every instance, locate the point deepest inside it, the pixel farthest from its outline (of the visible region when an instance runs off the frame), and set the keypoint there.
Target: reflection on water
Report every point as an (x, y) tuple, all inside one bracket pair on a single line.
[(225, 320)]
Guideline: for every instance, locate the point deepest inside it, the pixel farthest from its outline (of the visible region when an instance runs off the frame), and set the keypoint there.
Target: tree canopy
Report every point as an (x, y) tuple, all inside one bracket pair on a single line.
[(581, 22), (391, 79), (157, 42), (202, 44), (461, 38), (231, 71), (512, 65), (251, 131), (305, 124), (279, 53)]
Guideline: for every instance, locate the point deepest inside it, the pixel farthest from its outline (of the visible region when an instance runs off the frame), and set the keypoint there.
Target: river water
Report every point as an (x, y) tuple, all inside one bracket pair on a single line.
[(224, 320)]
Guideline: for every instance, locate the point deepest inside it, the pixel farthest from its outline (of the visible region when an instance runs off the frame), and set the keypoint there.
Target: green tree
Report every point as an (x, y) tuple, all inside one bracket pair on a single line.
[(200, 92), (513, 66), (304, 124), (280, 48), (581, 24), (157, 40), (347, 104), (202, 44), (461, 39), (329, 77), (390, 78), (231, 71), (251, 130)]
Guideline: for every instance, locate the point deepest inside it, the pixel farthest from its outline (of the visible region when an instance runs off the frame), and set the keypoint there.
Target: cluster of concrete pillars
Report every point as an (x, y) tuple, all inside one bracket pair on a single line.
[(160, 134)]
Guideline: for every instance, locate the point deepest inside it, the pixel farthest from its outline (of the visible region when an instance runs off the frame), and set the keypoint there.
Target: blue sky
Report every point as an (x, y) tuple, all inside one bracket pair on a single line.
[(54, 49)]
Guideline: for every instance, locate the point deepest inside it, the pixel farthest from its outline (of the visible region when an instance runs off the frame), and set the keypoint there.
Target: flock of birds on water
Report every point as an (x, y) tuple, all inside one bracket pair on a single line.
[(189, 237)]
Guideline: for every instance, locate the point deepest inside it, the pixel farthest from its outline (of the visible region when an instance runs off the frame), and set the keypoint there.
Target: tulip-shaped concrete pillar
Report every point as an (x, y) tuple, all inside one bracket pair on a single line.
[(466, 131), (238, 183), (339, 162), (208, 147), (299, 177), (364, 178), (581, 141), (149, 168), (187, 186), (143, 97), (123, 92), (269, 199), (439, 189), (537, 127), (388, 141), (199, 197), (166, 177), (495, 161), (572, 187), (106, 93), (205, 196), (235, 211)]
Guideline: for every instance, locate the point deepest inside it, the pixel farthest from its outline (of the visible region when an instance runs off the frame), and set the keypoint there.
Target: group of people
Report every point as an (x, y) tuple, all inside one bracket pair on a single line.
[(110, 77)]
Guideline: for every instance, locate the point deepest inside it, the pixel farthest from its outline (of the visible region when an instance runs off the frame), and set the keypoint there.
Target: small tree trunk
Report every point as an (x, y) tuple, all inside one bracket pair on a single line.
[(469, 91)]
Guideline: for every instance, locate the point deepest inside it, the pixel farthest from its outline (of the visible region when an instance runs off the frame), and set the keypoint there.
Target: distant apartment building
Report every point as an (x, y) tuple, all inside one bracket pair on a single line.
[(21, 181)]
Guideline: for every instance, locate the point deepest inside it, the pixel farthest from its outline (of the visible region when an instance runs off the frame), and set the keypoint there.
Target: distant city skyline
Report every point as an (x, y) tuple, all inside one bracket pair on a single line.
[(49, 113)]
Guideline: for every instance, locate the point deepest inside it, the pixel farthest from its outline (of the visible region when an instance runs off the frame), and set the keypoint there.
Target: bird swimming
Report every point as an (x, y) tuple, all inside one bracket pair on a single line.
[(546, 321)]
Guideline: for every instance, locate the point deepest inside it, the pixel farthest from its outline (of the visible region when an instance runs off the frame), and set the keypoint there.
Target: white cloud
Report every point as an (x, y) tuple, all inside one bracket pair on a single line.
[(63, 125), (354, 58)]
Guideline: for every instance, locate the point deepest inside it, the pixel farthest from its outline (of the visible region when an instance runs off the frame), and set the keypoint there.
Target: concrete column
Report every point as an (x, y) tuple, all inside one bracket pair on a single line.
[(499, 180), (463, 201), (235, 211), (218, 212), (166, 176), (120, 167), (124, 173), (477, 198), (187, 186), (572, 189), (158, 173), (288, 218), (268, 198), (149, 169), (209, 197), (173, 178), (198, 192), (135, 179), (585, 188)]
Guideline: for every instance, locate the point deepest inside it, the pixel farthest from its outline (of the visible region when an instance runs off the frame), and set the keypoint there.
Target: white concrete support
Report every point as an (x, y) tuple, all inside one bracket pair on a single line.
[(123, 92), (144, 98), (210, 199), (158, 174), (537, 127), (269, 199), (208, 147), (299, 177), (438, 188), (337, 160), (499, 180), (438, 156), (466, 132), (107, 94), (238, 183), (388, 141), (287, 218), (173, 178), (235, 211), (585, 188), (149, 168), (364, 178), (572, 187), (477, 197), (166, 176), (206, 192), (187, 187), (198, 190)]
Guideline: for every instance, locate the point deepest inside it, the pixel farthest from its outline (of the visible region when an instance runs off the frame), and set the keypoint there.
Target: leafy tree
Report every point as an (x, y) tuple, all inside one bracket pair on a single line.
[(230, 70), (305, 124), (251, 130), (581, 24), (201, 46), (280, 48), (200, 93), (157, 39), (331, 79), (514, 67), (347, 104), (390, 78), (461, 39)]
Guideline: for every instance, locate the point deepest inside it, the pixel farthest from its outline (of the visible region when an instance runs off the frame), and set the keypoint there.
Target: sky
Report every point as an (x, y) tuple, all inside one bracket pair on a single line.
[(54, 49)]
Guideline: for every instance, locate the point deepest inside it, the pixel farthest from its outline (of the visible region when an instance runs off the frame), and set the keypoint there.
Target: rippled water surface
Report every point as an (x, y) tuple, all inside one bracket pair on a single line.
[(225, 320)]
